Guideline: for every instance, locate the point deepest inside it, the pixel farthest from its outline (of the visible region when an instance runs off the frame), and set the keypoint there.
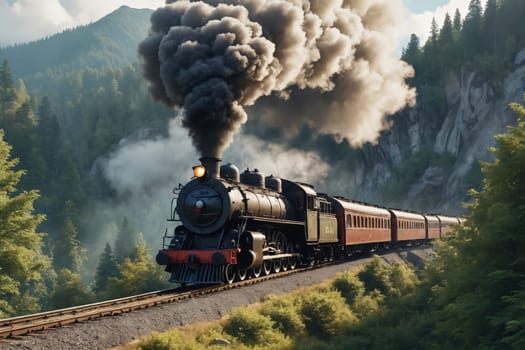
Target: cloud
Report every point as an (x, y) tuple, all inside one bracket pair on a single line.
[(27, 20), (419, 23)]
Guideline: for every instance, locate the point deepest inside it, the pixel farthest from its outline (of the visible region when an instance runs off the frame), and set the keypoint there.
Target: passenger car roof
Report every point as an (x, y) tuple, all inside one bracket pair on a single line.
[(361, 208)]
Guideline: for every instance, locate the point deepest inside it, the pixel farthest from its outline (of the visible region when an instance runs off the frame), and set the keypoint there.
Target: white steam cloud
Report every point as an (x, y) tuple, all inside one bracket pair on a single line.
[(143, 174)]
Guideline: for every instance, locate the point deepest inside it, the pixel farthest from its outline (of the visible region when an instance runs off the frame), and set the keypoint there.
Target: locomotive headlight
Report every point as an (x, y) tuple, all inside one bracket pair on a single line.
[(199, 170)]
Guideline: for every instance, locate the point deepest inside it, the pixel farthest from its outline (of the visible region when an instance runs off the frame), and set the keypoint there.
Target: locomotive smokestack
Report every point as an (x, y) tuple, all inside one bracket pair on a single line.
[(212, 165)]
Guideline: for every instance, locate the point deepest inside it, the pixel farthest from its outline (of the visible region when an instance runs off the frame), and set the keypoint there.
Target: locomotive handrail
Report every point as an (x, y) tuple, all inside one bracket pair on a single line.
[(172, 212)]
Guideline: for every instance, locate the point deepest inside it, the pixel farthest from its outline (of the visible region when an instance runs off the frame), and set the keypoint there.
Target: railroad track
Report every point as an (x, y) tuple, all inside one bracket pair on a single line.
[(22, 325)]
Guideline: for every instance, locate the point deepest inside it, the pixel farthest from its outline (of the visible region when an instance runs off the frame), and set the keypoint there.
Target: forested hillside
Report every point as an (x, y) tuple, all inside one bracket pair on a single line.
[(110, 42), (68, 101), (81, 105)]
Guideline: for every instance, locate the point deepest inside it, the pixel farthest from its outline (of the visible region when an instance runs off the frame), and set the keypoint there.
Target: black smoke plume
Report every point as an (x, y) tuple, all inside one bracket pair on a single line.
[(213, 57)]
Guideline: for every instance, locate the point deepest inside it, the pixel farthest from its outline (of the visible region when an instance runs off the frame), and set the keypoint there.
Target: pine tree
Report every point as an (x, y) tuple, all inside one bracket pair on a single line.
[(7, 88), (471, 34), (67, 252), (445, 34), (6, 77), (457, 22), (125, 241), (489, 26), (430, 71), (106, 269), (70, 180), (412, 54), (50, 137), (21, 258), (69, 291), (434, 32)]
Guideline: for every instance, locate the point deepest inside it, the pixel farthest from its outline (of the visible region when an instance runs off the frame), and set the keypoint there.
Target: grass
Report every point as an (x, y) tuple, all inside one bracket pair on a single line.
[(310, 318)]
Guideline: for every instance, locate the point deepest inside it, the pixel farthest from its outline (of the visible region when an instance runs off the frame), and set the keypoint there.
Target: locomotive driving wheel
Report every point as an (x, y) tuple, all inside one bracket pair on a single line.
[(229, 273), (256, 271), (276, 265), (280, 247), (241, 274), (293, 263), (267, 267)]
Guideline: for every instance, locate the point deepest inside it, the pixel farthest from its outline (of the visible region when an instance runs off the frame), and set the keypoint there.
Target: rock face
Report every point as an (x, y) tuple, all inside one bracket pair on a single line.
[(476, 111)]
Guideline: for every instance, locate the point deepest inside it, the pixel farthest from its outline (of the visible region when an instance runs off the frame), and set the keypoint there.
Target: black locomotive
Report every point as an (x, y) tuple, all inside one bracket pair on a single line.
[(238, 225)]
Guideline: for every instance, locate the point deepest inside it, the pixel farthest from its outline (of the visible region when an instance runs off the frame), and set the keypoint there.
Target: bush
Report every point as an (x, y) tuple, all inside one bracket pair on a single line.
[(349, 286), (368, 304), (402, 279), (285, 317), (249, 327), (169, 341), (326, 314), (375, 275)]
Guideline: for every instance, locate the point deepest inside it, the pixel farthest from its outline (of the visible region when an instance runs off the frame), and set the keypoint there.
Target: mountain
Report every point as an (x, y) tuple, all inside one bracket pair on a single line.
[(433, 164), (111, 42)]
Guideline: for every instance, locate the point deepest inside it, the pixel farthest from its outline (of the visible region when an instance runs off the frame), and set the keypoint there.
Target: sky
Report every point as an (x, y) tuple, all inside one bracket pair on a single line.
[(27, 20)]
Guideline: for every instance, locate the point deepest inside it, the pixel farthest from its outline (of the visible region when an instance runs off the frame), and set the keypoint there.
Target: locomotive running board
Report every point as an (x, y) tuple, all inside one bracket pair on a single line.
[(275, 221), (279, 256)]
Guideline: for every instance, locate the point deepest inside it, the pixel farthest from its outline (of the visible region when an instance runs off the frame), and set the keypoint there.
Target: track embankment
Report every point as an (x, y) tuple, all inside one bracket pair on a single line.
[(121, 327)]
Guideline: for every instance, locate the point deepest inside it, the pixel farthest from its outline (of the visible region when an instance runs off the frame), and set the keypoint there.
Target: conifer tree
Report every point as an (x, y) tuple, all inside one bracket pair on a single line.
[(446, 43), (50, 137), (489, 26), (7, 88), (125, 242), (67, 252), (445, 33), (106, 269), (457, 22), (434, 32), (21, 257), (69, 291), (70, 180), (412, 53), (471, 34)]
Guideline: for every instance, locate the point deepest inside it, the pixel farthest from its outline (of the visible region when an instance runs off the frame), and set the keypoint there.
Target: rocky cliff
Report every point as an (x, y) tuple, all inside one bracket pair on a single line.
[(449, 145)]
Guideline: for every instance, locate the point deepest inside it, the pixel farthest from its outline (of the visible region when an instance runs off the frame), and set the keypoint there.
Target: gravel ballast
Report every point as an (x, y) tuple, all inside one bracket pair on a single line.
[(111, 331)]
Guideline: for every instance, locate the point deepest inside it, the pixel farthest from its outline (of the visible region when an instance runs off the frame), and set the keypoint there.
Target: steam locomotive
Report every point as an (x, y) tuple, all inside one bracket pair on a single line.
[(235, 226)]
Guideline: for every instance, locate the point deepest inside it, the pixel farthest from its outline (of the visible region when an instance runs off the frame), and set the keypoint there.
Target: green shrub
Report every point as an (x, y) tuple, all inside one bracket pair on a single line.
[(368, 304), (349, 286), (375, 275), (249, 326), (169, 341), (284, 315), (402, 279), (326, 314)]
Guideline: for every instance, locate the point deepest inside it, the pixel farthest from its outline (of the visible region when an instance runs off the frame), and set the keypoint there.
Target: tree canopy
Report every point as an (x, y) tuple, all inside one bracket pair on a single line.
[(21, 258)]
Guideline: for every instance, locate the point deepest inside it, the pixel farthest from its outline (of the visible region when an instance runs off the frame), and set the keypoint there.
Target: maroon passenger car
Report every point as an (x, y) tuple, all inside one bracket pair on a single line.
[(360, 224), (407, 226)]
